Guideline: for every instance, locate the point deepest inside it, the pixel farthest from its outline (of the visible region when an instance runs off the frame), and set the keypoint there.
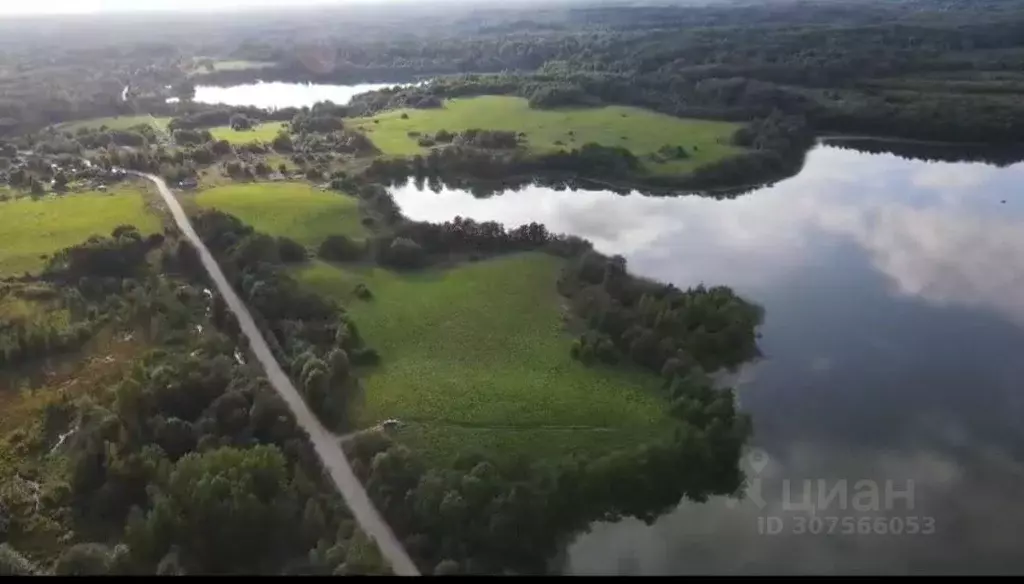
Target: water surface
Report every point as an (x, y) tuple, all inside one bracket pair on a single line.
[(276, 95), (894, 351)]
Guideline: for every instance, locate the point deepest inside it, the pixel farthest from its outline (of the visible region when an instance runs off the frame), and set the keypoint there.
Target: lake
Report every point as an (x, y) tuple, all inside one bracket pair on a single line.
[(277, 95), (893, 343)]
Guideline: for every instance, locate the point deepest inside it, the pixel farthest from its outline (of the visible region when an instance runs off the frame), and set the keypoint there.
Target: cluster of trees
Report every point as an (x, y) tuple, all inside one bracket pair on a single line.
[(412, 244), (317, 341), (324, 116), (85, 280), (23, 338), (101, 263), (656, 326), (195, 466), (198, 116), (191, 137)]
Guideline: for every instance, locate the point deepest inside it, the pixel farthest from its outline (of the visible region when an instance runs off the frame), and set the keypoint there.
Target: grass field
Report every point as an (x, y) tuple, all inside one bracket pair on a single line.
[(118, 123), (295, 210), (31, 228), (261, 133), (641, 131), (476, 357)]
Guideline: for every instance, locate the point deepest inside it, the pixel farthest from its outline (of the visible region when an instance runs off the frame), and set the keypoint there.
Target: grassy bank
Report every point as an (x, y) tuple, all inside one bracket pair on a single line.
[(34, 227), (641, 131), (292, 209), (476, 357), (261, 133)]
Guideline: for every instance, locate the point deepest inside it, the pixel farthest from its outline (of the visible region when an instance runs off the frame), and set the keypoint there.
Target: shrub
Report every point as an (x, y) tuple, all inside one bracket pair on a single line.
[(362, 292), (339, 248), (364, 356), (290, 250)]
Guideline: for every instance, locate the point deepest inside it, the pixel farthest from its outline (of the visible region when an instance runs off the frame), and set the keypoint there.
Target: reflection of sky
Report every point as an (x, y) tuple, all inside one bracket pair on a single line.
[(278, 95), (894, 296)]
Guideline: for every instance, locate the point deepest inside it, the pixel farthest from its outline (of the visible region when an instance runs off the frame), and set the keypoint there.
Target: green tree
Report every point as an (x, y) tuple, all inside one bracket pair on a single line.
[(84, 559), (228, 510), (339, 363)]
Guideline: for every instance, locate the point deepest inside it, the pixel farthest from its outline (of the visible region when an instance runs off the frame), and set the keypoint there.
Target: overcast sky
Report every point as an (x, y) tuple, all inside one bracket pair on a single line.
[(18, 8)]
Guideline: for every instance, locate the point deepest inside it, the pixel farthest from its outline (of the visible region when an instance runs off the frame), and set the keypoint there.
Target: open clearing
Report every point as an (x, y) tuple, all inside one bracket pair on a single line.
[(261, 133), (475, 357), (641, 131), (292, 209), (33, 227), (119, 123)]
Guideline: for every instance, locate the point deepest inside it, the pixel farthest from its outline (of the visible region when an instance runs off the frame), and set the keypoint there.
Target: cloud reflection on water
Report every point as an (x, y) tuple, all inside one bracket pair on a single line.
[(893, 333)]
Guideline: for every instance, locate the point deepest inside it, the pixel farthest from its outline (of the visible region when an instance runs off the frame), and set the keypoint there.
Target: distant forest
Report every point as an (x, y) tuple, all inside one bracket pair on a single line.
[(918, 69)]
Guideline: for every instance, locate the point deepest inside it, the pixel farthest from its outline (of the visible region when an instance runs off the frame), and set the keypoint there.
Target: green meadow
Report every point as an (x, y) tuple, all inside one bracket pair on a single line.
[(292, 209), (261, 133), (641, 131), (35, 227), (476, 357)]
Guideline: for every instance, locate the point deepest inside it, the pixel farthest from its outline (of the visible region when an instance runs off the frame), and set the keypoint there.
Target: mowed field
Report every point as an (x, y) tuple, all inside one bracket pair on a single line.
[(475, 357), (32, 228), (261, 133), (292, 209), (641, 131), (118, 123)]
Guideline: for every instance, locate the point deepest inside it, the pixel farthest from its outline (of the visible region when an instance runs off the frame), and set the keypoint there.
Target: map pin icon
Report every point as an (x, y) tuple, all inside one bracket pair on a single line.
[(758, 459)]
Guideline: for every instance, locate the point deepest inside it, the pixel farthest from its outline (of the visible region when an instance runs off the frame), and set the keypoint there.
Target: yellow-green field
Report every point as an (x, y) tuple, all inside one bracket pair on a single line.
[(261, 133), (292, 209), (641, 131), (476, 357), (32, 228), (119, 123)]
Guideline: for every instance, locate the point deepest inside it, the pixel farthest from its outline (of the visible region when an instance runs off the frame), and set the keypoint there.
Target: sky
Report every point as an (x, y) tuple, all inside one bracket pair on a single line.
[(34, 7)]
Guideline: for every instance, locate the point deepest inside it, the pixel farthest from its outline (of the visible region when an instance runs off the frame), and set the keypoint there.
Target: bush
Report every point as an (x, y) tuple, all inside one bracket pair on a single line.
[(404, 253), (290, 250), (364, 356), (84, 559), (338, 248), (362, 292)]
